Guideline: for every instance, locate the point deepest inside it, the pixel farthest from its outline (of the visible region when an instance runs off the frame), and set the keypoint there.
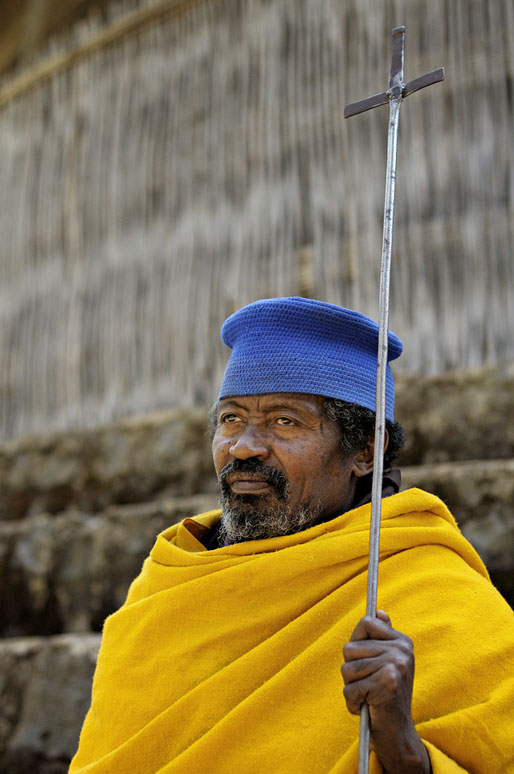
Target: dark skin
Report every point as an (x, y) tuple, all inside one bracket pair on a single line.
[(290, 433), (379, 669)]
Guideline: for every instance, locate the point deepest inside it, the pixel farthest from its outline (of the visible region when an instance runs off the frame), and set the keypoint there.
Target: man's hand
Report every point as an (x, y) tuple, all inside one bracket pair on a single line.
[(379, 669)]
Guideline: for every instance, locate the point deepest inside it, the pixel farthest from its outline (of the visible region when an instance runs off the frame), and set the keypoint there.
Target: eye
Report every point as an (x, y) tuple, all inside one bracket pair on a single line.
[(284, 421), (229, 419)]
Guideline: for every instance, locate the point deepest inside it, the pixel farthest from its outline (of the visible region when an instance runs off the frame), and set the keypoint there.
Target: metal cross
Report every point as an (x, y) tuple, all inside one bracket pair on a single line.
[(396, 85), (396, 92)]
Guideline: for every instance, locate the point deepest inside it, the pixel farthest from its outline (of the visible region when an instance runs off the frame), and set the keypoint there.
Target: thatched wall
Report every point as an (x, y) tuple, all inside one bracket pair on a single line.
[(190, 157)]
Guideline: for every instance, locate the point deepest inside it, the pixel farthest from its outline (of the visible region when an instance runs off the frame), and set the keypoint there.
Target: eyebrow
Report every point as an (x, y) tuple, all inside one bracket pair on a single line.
[(284, 406), (229, 402), (278, 406)]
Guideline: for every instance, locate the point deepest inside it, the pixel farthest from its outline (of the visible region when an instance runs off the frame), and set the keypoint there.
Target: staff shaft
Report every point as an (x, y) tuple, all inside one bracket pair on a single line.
[(396, 92), (378, 465)]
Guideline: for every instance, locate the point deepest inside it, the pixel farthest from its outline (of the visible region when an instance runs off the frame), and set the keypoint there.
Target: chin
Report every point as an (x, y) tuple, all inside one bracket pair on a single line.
[(251, 517)]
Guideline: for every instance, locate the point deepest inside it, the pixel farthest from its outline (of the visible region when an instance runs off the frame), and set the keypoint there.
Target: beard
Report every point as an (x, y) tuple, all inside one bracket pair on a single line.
[(258, 517)]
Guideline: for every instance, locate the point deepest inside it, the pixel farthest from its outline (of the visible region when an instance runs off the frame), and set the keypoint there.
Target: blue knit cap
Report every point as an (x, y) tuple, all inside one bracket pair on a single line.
[(305, 346)]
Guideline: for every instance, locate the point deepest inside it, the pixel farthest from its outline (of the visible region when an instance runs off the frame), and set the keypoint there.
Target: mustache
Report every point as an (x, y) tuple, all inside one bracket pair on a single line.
[(270, 475)]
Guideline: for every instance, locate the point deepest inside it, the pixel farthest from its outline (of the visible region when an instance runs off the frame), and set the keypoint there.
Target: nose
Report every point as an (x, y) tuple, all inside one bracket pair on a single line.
[(250, 443)]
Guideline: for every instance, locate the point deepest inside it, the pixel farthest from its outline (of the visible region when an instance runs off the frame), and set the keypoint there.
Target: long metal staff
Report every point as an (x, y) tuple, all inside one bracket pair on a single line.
[(396, 92)]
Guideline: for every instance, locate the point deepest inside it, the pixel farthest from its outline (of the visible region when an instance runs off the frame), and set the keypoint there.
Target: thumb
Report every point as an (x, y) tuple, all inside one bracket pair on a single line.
[(382, 615)]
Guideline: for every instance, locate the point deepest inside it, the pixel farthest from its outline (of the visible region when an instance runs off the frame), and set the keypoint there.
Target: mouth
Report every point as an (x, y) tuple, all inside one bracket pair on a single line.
[(250, 480), (244, 484)]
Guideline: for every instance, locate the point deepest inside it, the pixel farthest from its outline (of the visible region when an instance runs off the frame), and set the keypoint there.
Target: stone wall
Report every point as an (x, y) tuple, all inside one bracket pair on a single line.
[(459, 416), (80, 510), (46, 682)]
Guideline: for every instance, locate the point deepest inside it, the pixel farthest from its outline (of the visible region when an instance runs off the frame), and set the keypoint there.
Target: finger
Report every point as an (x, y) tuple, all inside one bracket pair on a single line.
[(365, 657), (355, 694), (361, 668), (357, 649), (382, 615), (373, 628), (388, 687)]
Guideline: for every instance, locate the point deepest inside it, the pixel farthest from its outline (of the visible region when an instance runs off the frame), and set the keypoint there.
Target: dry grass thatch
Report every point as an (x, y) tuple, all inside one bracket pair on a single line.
[(159, 173)]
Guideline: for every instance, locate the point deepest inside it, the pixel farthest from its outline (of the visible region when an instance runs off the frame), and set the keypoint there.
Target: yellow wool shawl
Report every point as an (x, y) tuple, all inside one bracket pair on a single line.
[(228, 661)]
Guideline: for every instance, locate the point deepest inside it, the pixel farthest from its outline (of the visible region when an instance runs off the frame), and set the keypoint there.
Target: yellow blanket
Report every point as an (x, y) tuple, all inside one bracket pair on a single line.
[(228, 661)]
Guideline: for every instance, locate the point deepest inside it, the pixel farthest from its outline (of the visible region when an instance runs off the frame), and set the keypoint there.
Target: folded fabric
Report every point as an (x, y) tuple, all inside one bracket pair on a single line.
[(228, 660)]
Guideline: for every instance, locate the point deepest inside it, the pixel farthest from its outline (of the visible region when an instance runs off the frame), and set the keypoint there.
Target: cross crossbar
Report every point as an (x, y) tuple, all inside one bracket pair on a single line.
[(394, 95), (353, 108)]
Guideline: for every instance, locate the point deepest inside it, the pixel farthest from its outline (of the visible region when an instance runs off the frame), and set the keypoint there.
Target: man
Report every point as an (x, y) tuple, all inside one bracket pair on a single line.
[(226, 655)]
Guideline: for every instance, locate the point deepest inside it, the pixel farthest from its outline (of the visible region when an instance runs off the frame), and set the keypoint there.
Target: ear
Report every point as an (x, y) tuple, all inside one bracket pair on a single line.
[(363, 460)]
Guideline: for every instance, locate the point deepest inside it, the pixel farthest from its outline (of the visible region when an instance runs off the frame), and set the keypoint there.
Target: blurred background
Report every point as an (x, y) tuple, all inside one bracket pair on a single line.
[(164, 162)]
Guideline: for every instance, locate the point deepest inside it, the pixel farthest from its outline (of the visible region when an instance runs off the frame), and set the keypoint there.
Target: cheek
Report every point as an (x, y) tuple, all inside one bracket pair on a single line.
[(307, 467), (220, 452), (321, 472)]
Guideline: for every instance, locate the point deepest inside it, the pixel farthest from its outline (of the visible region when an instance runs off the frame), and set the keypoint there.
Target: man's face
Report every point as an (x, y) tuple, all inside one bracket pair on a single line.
[(279, 464)]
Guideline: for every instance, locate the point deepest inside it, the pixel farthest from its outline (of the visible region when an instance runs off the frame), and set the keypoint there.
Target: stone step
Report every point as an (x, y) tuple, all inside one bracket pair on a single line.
[(44, 696), (456, 416), (461, 415), (74, 568), (480, 494), (67, 572), (161, 454)]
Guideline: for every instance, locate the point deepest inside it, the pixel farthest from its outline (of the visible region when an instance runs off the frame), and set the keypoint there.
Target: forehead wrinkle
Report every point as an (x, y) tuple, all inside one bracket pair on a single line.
[(277, 401), (281, 405), (231, 402)]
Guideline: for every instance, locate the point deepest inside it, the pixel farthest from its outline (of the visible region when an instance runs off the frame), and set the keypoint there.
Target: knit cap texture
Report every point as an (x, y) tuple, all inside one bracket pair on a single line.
[(301, 345)]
